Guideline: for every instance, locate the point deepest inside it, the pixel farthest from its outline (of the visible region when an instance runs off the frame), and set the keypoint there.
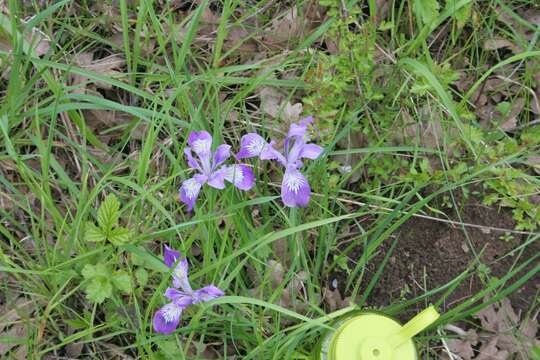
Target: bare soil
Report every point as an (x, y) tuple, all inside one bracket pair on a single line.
[(430, 254)]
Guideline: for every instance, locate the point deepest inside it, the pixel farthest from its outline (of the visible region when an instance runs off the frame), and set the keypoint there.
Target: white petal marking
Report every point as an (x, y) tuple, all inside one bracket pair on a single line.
[(202, 146), (234, 174), (256, 146), (171, 312), (191, 187), (293, 182)]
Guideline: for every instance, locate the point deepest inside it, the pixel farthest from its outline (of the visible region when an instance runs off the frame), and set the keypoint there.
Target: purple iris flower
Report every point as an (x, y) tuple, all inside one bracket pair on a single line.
[(295, 190), (181, 295), (210, 168)]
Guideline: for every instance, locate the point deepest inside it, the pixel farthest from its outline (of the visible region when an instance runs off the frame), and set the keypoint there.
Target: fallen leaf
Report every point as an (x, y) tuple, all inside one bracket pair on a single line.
[(490, 351), (108, 66), (271, 100), (291, 113), (462, 348), (500, 43), (14, 325), (334, 300), (284, 29), (511, 120)]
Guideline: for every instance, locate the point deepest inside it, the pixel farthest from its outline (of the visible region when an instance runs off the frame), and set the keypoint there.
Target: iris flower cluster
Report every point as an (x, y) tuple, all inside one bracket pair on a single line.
[(210, 168)]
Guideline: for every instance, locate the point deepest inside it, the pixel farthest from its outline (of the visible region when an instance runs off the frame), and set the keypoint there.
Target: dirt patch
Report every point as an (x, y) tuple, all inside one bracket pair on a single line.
[(430, 254)]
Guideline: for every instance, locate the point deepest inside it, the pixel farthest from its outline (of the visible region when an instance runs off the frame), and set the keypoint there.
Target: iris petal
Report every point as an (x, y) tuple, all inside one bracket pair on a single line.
[(295, 190)]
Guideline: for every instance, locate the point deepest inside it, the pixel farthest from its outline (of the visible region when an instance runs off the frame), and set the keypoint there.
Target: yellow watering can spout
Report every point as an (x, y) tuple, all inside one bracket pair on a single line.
[(414, 326)]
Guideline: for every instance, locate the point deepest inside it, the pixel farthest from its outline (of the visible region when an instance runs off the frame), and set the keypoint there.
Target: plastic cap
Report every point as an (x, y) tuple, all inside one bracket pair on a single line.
[(373, 336)]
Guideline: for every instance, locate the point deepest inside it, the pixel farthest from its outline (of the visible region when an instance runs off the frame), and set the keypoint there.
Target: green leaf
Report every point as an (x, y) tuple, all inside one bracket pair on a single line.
[(535, 353), (142, 276), (108, 213), (462, 14), (427, 10), (137, 260), (120, 236), (93, 234), (99, 289), (91, 271), (122, 281)]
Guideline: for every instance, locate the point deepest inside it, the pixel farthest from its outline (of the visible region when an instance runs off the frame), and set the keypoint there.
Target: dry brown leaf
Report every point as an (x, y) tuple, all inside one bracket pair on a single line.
[(13, 325), (74, 350), (505, 338), (334, 300), (489, 351), (285, 28), (500, 43), (291, 113), (239, 39), (511, 120), (462, 348), (276, 273), (288, 27), (108, 66), (428, 131), (271, 100), (383, 7)]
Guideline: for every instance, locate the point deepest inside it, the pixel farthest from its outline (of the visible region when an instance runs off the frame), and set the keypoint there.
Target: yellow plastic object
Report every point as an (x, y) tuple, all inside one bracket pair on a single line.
[(372, 336)]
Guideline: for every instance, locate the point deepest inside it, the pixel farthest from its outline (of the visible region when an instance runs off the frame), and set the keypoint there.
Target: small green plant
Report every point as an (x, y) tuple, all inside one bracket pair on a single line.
[(103, 282), (108, 228)]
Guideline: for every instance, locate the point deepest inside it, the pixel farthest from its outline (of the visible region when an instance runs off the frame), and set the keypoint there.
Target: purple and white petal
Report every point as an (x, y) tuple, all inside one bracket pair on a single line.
[(269, 153), (252, 145), (207, 293), (192, 163), (240, 175), (167, 318), (297, 130), (307, 120), (221, 154), (200, 142), (295, 190), (310, 151), (300, 129), (180, 276), (217, 178), (189, 191), (178, 297), (294, 151), (170, 256)]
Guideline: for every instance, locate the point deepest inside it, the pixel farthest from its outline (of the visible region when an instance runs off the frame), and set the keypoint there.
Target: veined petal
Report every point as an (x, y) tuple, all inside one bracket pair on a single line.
[(300, 128), (295, 190), (252, 145), (167, 318), (200, 142), (295, 150), (297, 130), (310, 151), (170, 256), (207, 293), (221, 154), (178, 297), (217, 178), (180, 276), (192, 163), (189, 191), (240, 175)]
